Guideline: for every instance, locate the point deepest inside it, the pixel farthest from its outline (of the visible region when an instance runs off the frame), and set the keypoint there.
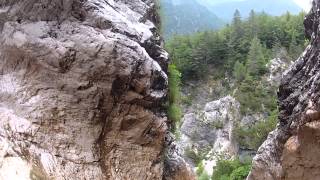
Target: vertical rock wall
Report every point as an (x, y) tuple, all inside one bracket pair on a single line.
[(291, 152), (82, 83)]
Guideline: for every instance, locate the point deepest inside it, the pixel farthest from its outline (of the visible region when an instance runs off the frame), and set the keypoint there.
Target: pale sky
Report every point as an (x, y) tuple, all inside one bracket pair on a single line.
[(305, 4)]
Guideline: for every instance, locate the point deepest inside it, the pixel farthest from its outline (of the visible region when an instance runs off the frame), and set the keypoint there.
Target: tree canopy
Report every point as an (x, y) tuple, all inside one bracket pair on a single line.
[(249, 41)]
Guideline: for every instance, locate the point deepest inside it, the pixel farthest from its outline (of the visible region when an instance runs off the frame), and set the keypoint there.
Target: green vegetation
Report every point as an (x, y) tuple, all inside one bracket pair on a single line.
[(174, 109), (197, 156), (256, 96), (253, 137), (231, 169), (187, 100), (256, 62), (248, 42), (201, 172), (217, 124), (239, 52), (194, 156), (159, 16)]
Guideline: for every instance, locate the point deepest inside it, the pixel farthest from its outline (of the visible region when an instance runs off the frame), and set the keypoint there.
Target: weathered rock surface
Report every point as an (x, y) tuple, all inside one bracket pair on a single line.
[(176, 167), (81, 88), (292, 150), (300, 158), (277, 68), (212, 129), (214, 123)]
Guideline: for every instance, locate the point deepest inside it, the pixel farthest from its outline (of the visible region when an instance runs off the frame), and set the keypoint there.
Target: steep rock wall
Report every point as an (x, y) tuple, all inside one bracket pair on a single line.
[(82, 83), (292, 150)]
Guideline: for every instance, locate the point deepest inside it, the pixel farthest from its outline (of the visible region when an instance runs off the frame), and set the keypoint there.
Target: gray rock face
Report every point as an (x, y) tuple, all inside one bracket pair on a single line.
[(210, 131), (284, 154), (216, 122), (81, 83), (277, 67)]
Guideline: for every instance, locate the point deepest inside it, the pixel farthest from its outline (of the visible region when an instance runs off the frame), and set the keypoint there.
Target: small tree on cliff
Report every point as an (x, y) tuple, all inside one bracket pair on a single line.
[(174, 110)]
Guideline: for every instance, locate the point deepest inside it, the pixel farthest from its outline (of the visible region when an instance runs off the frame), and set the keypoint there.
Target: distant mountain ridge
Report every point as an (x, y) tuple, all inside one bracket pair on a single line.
[(225, 8), (187, 16)]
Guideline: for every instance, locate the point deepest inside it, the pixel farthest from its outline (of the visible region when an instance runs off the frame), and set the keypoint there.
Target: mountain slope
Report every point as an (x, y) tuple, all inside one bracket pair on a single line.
[(273, 7), (184, 17)]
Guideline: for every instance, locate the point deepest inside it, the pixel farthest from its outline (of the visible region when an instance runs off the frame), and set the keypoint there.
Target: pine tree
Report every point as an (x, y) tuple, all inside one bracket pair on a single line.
[(256, 64), (253, 26), (217, 48), (278, 51), (239, 71), (236, 21), (294, 49), (200, 55), (236, 39)]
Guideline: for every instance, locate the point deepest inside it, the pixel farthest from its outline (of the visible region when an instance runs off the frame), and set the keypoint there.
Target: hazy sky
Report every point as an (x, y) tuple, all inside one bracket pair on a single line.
[(305, 4)]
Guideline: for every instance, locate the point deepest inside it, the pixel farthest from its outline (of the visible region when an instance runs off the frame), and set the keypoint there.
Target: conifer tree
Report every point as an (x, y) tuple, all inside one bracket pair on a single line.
[(236, 37), (239, 71), (253, 26), (294, 49), (200, 55), (256, 63)]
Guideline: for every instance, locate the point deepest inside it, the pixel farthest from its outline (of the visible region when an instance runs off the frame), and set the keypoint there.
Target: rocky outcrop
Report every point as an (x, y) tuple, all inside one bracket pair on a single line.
[(81, 88), (291, 151), (210, 131), (213, 125), (277, 67)]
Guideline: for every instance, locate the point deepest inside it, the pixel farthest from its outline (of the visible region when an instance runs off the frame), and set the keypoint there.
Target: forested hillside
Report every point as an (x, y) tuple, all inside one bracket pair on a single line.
[(266, 36), (189, 16), (239, 57)]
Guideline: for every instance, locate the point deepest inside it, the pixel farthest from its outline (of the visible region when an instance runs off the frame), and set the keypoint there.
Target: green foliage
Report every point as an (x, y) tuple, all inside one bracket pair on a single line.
[(174, 109), (159, 16), (204, 176), (196, 156), (253, 137), (201, 172), (255, 95), (200, 168), (231, 169), (240, 173), (241, 50), (217, 124), (249, 42), (180, 50), (187, 100), (256, 63), (239, 71), (174, 113)]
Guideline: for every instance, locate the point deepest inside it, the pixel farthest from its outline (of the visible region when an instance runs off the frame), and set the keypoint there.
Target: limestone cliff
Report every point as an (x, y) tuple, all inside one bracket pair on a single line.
[(210, 131), (291, 152), (82, 83)]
